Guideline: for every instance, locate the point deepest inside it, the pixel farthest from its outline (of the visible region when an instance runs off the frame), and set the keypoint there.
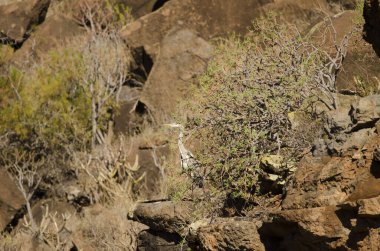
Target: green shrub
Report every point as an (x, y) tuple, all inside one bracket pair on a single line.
[(47, 102), (240, 112)]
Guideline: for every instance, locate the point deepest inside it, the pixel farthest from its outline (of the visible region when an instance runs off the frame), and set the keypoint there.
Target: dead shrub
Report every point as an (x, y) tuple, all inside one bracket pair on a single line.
[(108, 173)]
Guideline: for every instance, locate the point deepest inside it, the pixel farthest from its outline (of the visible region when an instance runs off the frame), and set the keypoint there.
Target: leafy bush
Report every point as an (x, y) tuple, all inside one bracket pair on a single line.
[(47, 102), (241, 110)]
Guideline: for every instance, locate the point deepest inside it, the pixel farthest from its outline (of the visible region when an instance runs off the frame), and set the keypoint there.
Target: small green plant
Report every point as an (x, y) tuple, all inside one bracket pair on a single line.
[(364, 87), (359, 18)]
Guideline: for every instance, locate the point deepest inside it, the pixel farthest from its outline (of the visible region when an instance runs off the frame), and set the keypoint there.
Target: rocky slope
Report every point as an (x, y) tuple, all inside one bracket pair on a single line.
[(331, 203)]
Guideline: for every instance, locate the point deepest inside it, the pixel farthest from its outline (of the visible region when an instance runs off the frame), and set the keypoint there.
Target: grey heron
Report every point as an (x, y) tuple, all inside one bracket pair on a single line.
[(188, 162)]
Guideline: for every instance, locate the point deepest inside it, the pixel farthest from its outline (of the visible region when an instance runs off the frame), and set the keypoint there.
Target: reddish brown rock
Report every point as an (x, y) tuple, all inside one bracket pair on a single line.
[(18, 19), (322, 228), (321, 183), (229, 234)]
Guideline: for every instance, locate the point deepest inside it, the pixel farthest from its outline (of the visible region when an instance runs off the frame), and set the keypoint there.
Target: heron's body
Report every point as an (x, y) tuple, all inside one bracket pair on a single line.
[(188, 162)]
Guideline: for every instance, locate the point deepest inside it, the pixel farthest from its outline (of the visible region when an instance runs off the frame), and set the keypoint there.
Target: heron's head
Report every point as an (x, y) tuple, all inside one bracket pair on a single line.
[(174, 125)]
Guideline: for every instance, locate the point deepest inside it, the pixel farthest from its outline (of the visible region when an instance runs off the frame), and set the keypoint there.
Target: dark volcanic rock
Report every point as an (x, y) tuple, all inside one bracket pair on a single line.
[(165, 216), (141, 8), (152, 241), (372, 23)]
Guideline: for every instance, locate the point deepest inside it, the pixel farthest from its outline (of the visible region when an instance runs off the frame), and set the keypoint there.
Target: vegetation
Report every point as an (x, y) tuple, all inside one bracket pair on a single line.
[(57, 113), (66, 99), (247, 99), (359, 19), (47, 104)]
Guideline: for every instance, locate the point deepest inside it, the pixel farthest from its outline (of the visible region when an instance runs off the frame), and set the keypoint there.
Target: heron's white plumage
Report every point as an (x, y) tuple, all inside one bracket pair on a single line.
[(188, 162)]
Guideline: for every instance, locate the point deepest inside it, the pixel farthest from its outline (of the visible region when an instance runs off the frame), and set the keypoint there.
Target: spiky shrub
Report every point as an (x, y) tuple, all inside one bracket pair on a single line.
[(241, 108)]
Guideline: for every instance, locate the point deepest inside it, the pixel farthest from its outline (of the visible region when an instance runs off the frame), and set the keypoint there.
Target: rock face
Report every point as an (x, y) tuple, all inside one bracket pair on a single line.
[(331, 175), (18, 19)]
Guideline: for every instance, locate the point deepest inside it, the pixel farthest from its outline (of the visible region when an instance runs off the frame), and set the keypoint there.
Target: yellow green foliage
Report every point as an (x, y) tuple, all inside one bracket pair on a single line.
[(359, 18), (47, 101)]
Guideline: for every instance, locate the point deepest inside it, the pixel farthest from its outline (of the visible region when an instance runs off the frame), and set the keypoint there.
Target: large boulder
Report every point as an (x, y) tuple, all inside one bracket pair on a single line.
[(18, 19), (366, 112), (165, 216), (53, 33), (183, 56)]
